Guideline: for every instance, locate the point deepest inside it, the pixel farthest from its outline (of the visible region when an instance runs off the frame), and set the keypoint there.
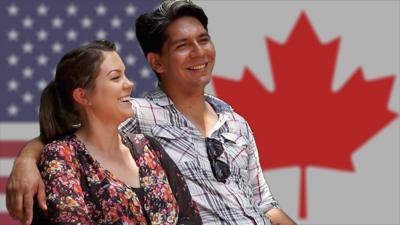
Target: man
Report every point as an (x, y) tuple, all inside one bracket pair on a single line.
[(212, 145)]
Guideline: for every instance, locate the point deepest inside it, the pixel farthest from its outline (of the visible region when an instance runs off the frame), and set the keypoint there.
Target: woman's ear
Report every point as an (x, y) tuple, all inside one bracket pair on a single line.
[(154, 61), (80, 96)]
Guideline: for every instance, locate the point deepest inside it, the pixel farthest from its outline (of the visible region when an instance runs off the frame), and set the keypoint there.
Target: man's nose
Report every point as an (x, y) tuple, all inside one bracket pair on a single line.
[(198, 50)]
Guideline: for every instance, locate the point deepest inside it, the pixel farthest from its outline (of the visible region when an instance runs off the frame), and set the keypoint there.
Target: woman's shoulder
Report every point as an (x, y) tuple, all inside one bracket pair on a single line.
[(60, 142), (62, 146)]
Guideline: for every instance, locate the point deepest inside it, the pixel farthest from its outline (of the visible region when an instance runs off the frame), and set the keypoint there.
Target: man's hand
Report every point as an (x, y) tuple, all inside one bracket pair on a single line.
[(24, 182), (279, 217)]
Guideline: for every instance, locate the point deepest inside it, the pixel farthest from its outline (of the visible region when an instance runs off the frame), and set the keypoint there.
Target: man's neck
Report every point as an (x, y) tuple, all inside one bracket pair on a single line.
[(196, 109)]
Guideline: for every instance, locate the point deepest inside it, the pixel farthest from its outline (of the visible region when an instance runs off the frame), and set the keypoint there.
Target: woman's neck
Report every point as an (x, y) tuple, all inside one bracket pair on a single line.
[(100, 137)]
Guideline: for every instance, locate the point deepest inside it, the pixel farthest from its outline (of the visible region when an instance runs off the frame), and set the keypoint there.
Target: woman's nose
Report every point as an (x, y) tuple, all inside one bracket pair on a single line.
[(129, 84)]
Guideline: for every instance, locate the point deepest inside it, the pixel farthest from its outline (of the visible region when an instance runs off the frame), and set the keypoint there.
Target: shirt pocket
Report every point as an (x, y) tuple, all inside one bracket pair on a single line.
[(241, 177), (236, 149), (176, 141)]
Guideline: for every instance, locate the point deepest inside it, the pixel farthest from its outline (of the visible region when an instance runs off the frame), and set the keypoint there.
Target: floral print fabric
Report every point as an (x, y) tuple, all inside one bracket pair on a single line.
[(80, 191)]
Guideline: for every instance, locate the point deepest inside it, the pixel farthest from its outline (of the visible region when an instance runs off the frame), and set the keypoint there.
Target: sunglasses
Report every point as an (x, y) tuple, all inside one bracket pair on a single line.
[(219, 168)]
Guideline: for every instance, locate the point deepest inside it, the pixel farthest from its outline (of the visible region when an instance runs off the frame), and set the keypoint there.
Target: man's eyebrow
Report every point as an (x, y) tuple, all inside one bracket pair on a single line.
[(205, 34), (181, 40), (177, 41)]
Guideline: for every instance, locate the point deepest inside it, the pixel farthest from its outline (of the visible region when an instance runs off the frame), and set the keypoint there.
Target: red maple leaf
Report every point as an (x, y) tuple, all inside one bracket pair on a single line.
[(303, 122)]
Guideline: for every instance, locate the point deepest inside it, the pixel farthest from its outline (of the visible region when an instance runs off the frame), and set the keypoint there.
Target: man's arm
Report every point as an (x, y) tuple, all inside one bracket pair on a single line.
[(24, 182), (279, 217), (262, 193)]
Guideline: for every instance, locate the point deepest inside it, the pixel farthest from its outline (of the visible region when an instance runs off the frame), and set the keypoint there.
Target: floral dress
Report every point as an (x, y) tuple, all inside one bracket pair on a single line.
[(80, 191)]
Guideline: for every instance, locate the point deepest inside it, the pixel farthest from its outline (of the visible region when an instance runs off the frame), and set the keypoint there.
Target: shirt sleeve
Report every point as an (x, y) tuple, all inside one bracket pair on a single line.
[(262, 195), (188, 211), (61, 176)]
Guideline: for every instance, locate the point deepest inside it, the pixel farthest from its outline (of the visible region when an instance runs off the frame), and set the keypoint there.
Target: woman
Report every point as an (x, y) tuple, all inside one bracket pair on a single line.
[(92, 173)]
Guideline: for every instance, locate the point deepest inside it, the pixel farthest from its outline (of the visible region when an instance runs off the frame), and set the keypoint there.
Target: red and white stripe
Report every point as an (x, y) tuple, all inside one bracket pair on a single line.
[(12, 137)]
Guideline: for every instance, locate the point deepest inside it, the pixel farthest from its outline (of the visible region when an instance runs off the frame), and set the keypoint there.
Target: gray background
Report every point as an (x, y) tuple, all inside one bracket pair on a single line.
[(369, 32)]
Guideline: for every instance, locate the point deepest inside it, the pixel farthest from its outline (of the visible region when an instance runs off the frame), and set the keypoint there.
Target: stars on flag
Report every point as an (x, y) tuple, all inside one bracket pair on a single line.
[(12, 110), (27, 72), (42, 35), (57, 22), (41, 84), (37, 34), (13, 85), (101, 10), (27, 47), (27, 22), (130, 60), (72, 10), (116, 22), (13, 35), (101, 34), (42, 60), (13, 10), (86, 22), (130, 35), (27, 97), (71, 35), (145, 72), (42, 10), (57, 47), (130, 10), (13, 60)]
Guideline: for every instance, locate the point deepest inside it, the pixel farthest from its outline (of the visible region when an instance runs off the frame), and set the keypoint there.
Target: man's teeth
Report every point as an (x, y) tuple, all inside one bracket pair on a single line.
[(199, 67)]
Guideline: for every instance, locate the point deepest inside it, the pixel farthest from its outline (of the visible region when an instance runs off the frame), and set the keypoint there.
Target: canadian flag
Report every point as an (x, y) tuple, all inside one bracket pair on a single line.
[(318, 81)]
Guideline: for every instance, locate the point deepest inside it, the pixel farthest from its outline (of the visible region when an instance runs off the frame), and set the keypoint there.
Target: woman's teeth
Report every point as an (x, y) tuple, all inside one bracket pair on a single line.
[(126, 99)]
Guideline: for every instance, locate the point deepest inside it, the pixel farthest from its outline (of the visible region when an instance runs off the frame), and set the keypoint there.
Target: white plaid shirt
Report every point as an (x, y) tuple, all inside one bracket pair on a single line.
[(245, 197)]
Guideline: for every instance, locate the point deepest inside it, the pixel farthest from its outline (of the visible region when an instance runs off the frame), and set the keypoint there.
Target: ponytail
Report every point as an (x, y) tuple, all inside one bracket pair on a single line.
[(54, 120)]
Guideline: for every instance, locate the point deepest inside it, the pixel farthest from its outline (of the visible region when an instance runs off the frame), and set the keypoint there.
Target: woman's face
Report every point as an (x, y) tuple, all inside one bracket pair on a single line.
[(112, 90)]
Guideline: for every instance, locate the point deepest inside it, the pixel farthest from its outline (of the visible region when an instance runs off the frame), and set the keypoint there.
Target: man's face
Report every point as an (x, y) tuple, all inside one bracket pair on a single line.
[(187, 57)]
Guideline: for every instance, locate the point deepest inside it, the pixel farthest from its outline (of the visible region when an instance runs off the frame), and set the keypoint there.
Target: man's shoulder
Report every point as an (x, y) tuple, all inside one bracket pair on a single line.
[(144, 106), (218, 102), (222, 106), (154, 98)]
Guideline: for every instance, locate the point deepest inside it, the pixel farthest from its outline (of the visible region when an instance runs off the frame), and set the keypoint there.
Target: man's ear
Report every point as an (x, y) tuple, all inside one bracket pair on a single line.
[(155, 63), (80, 96)]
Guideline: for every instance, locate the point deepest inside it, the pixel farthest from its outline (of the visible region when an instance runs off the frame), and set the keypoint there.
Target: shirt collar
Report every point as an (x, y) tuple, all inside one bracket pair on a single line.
[(160, 98)]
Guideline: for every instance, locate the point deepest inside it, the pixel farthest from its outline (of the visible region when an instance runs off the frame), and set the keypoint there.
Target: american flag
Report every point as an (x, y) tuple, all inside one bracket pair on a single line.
[(34, 36)]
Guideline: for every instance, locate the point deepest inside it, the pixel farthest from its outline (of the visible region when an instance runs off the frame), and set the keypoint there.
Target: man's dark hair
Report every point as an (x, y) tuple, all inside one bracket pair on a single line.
[(151, 27)]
